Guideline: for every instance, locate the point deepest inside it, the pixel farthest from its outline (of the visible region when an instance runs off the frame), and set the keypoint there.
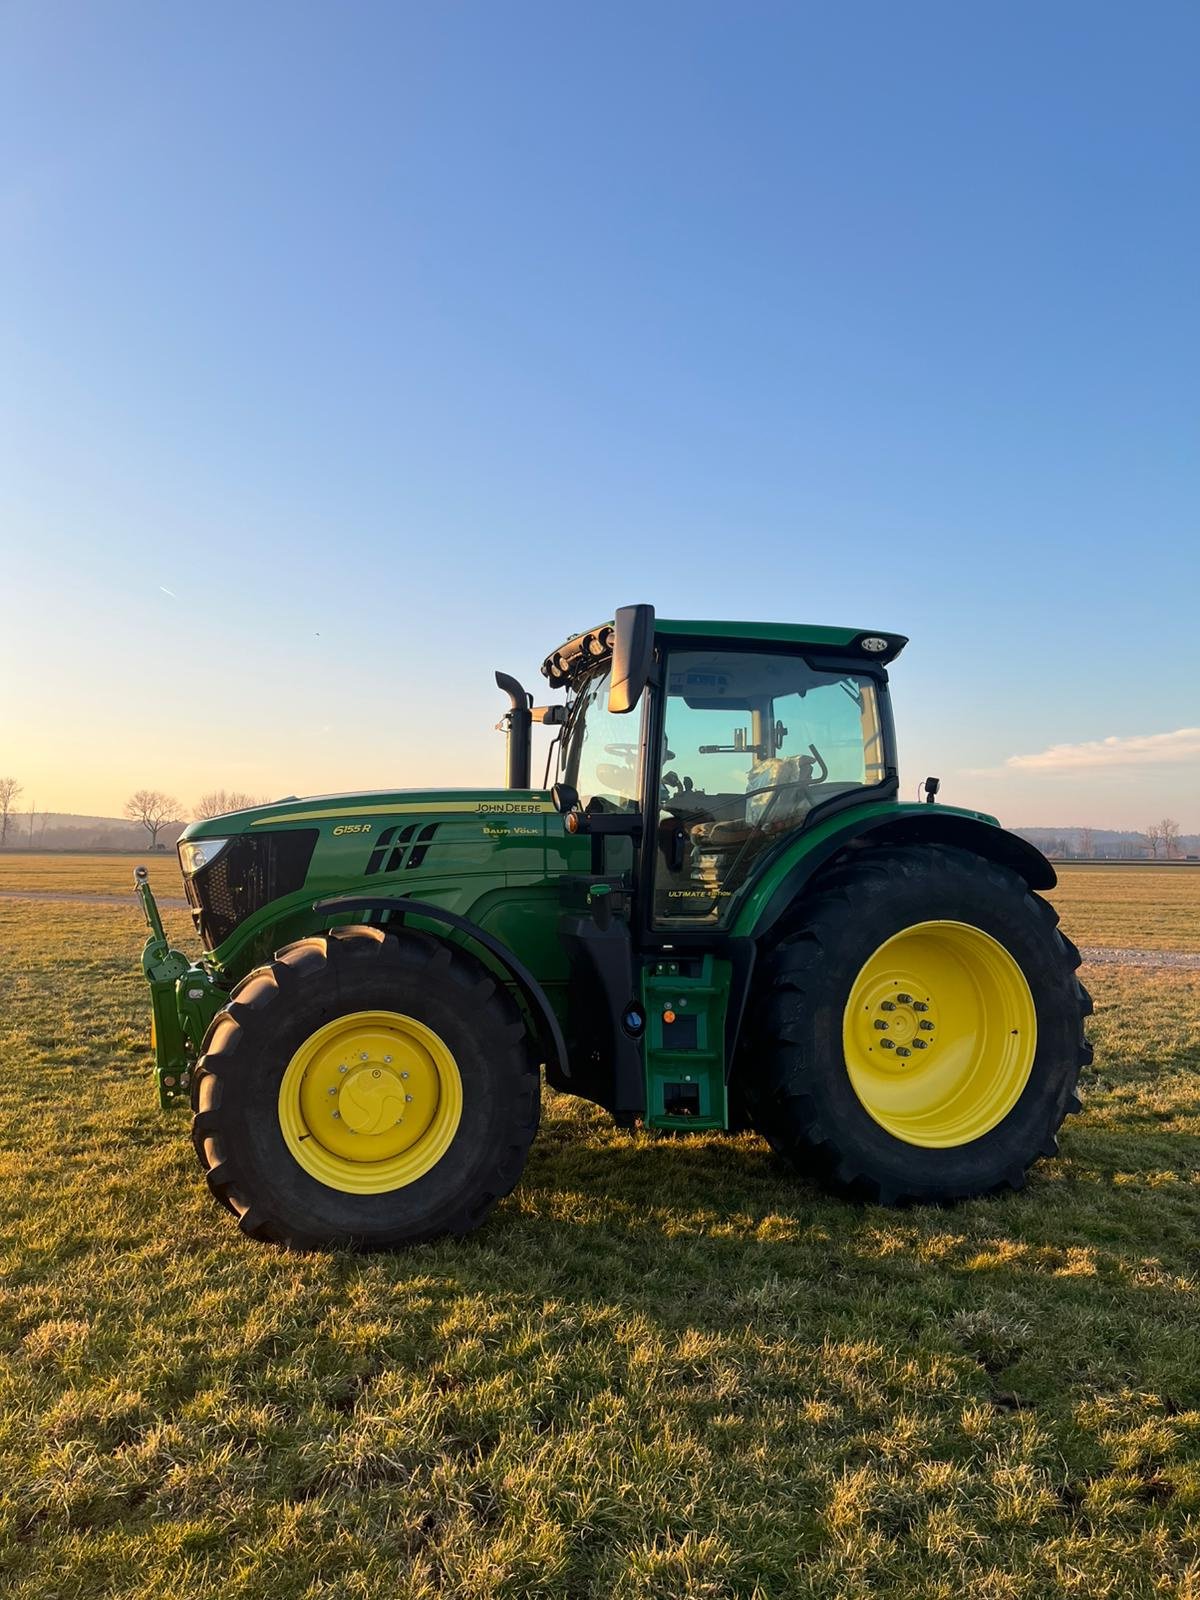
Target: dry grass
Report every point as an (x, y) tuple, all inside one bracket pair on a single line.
[(1148, 908), (1140, 907), (69, 872), (665, 1369)]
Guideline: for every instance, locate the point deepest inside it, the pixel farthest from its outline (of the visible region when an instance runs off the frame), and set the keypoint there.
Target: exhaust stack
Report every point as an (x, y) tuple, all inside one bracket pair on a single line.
[(517, 724)]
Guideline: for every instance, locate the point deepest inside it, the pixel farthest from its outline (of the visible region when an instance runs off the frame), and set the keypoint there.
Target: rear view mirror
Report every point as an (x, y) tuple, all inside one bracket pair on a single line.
[(633, 656)]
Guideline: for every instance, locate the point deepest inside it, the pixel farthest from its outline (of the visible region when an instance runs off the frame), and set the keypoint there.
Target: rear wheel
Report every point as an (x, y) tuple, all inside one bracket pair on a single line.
[(365, 1090), (918, 1033)]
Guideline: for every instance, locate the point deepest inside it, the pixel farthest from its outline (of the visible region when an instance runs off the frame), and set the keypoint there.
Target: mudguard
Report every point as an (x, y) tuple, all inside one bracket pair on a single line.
[(546, 1029), (868, 827)]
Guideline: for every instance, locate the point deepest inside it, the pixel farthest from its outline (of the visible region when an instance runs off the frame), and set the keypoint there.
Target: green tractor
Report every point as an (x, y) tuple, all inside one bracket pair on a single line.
[(721, 915)]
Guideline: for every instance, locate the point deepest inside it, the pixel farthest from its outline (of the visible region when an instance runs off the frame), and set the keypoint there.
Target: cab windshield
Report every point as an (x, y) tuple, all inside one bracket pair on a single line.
[(602, 750), (753, 743)]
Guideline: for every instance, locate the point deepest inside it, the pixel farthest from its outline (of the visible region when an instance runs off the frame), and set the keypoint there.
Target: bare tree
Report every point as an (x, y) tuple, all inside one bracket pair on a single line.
[(220, 801), (152, 808), (1169, 829), (1154, 838), (1087, 843), (9, 790), (37, 819)]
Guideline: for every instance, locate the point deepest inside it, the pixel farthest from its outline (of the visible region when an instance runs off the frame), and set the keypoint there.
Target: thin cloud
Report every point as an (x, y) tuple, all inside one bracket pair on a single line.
[(1137, 750)]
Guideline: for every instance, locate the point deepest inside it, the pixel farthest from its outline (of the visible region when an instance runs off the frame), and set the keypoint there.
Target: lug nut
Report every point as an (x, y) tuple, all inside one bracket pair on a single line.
[(927, 1026), (343, 1068), (881, 1027), (919, 1044), (408, 1097), (888, 1005), (404, 1074), (903, 1052), (387, 1061), (886, 1044), (337, 1115), (919, 1005), (362, 1055), (331, 1091), (904, 999)]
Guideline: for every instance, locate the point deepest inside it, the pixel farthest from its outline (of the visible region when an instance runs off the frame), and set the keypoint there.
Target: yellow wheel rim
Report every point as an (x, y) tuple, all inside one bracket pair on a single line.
[(370, 1102), (939, 1034)]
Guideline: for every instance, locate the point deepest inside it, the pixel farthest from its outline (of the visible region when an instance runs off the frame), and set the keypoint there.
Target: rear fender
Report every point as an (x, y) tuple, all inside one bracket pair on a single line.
[(789, 876)]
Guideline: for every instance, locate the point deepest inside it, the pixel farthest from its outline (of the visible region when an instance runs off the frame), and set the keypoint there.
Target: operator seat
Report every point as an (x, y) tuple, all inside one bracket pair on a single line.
[(778, 798)]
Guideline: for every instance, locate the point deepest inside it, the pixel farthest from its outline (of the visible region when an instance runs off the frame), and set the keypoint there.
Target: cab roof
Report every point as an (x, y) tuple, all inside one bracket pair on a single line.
[(862, 644)]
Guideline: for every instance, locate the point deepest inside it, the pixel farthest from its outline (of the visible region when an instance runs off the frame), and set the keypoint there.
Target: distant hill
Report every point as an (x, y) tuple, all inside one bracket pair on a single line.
[(65, 830), (1106, 843)]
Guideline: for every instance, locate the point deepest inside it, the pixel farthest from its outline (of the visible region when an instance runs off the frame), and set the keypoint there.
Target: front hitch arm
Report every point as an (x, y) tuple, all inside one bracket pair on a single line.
[(175, 986)]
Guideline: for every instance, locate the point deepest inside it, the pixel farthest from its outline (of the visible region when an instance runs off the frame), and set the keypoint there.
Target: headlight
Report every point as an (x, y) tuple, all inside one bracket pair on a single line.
[(194, 856)]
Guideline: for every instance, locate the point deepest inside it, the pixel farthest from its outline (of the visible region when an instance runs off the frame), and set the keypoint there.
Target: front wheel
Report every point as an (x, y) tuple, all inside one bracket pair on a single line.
[(918, 1033), (365, 1090)]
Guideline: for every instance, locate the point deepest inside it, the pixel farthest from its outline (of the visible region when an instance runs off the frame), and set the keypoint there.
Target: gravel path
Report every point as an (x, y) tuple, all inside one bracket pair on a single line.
[(56, 897), (1180, 960)]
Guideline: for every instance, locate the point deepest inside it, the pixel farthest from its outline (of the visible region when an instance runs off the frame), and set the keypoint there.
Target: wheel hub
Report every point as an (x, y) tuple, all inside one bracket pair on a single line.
[(371, 1099), (899, 1020)]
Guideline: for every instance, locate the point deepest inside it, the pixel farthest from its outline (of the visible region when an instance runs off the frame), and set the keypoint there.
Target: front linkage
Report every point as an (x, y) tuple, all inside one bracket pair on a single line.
[(183, 1000)]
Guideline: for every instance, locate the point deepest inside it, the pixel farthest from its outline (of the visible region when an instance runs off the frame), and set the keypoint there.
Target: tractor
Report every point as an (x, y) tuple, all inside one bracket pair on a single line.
[(720, 915)]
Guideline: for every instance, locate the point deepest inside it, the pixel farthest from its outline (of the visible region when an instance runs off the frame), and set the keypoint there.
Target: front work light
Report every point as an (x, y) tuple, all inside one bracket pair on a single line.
[(200, 854)]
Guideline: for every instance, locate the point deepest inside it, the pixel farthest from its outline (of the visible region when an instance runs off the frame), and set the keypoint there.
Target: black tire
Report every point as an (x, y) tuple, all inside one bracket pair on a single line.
[(235, 1096), (793, 1071)]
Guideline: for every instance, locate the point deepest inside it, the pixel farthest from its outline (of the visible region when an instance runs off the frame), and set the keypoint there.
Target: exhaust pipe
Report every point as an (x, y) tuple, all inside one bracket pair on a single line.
[(518, 724)]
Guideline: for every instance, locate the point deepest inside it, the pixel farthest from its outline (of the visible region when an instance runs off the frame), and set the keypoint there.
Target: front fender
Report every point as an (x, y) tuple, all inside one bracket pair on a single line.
[(545, 1024), (883, 824)]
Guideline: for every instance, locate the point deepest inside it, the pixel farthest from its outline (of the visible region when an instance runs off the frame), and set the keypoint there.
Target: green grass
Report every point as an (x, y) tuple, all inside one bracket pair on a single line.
[(666, 1368)]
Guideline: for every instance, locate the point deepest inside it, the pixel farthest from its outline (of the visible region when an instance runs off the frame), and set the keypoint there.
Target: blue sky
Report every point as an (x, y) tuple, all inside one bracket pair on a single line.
[(399, 341)]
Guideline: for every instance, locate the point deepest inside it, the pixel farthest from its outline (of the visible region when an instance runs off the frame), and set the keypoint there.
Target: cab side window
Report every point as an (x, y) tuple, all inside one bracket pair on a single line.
[(753, 743)]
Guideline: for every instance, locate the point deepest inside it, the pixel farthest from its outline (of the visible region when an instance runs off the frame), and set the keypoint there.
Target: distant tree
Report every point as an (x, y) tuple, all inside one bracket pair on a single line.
[(37, 820), (220, 801), (1153, 836), (1169, 829), (1087, 843), (9, 790), (151, 808)]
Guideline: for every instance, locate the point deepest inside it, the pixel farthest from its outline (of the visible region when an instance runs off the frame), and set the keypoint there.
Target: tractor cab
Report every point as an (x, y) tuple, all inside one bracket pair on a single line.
[(719, 744)]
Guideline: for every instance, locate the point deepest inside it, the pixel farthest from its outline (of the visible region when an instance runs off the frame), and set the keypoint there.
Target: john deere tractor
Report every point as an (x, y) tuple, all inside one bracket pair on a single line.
[(720, 915)]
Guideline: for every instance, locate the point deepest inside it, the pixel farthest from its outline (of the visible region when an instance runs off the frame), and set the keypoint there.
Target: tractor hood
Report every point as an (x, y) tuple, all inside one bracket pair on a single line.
[(263, 869), (348, 814)]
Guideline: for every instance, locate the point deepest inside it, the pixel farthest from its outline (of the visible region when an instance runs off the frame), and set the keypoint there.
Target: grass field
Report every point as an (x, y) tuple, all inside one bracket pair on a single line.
[(1152, 908), (71, 873), (665, 1369)]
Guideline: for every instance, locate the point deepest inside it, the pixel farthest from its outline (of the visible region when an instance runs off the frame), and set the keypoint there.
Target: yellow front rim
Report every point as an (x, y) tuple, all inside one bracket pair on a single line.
[(370, 1102), (939, 1034)]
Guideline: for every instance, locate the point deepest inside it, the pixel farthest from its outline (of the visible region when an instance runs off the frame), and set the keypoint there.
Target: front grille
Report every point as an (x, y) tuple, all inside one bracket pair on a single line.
[(247, 875)]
